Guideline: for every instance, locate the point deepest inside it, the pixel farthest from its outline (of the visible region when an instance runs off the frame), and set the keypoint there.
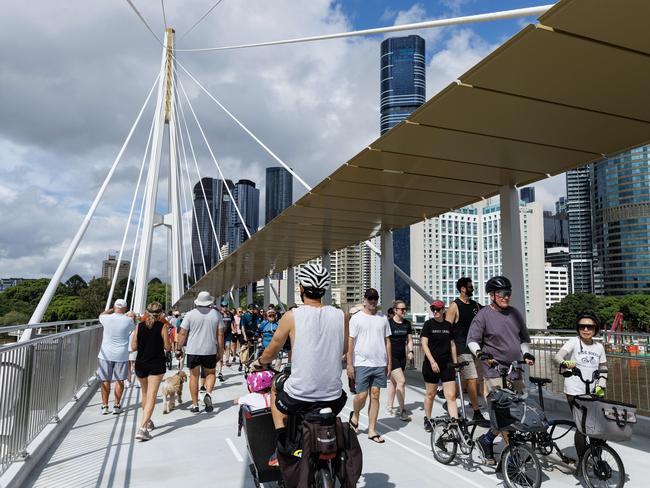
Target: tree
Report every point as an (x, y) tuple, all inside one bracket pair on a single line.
[(562, 315), (63, 308), (155, 281), (636, 310), (75, 284), (156, 293), (93, 298), (14, 318)]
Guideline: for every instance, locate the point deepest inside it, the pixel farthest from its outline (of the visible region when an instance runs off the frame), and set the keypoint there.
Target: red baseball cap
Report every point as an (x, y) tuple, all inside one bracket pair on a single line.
[(437, 304)]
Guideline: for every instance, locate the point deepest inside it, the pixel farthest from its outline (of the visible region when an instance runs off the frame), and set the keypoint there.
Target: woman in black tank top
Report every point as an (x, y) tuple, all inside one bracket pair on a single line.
[(151, 340)]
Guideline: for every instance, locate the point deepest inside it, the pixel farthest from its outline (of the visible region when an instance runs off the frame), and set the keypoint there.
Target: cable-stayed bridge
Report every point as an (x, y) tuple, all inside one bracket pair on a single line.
[(562, 93)]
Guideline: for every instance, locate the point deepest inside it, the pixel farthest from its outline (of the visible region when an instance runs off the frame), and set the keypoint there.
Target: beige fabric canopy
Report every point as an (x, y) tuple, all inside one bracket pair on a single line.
[(558, 95)]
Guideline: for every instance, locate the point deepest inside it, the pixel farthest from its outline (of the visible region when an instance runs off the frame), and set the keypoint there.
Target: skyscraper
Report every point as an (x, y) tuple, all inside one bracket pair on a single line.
[(527, 194), (279, 191), (109, 265), (403, 89), (248, 201), (579, 214), (217, 201), (621, 212)]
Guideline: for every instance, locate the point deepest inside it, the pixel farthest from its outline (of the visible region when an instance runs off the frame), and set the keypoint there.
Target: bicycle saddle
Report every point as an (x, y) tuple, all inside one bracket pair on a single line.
[(539, 381)]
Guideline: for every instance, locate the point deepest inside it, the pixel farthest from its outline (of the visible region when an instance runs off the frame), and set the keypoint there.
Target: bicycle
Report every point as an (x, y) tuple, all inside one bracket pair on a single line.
[(519, 463), (449, 435), (600, 464)]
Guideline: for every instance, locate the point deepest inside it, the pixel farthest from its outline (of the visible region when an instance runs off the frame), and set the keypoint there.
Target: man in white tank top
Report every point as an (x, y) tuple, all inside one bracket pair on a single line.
[(318, 344)]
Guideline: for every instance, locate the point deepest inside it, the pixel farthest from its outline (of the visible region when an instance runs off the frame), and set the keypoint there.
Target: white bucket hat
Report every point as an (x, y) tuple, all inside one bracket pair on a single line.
[(204, 299)]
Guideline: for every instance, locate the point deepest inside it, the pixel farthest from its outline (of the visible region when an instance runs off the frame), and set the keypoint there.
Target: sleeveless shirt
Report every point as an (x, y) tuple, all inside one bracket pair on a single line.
[(151, 348), (466, 313), (316, 354)]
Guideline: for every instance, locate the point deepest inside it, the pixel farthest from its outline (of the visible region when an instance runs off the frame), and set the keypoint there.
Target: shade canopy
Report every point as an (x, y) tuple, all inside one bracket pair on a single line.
[(558, 95)]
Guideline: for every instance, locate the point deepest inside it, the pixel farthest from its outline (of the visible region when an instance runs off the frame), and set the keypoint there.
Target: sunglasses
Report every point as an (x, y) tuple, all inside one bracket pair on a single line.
[(503, 293), (437, 309), (401, 309), (587, 326)]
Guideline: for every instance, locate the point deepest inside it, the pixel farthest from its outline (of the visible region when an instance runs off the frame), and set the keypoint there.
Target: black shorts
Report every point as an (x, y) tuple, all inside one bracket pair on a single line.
[(398, 362), (208, 362), (146, 372), (291, 406), (236, 338), (446, 373)]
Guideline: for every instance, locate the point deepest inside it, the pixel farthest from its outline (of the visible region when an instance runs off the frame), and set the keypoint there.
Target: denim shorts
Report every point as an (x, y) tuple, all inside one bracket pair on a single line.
[(367, 376)]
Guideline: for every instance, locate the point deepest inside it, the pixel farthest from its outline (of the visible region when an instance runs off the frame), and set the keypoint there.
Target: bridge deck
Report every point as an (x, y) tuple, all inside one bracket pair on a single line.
[(192, 449)]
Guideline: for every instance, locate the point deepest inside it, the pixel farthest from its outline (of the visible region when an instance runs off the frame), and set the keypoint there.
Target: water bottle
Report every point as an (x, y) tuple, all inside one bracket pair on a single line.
[(326, 417)]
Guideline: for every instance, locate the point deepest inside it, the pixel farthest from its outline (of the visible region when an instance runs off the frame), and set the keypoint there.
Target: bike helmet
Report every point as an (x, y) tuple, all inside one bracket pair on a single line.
[(588, 314), (259, 380), (314, 279), (497, 283)]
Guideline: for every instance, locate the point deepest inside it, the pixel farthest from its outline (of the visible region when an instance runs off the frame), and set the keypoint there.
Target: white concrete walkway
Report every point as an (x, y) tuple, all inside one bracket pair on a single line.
[(204, 450)]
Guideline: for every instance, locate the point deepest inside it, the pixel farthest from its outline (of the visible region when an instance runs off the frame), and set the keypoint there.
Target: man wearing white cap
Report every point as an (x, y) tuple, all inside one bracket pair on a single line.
[(114, 353), (203, 328)]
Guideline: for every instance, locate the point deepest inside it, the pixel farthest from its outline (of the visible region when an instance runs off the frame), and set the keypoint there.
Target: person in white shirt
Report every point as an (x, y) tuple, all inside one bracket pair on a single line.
[(368, 360), (584, 353), (113, 358)]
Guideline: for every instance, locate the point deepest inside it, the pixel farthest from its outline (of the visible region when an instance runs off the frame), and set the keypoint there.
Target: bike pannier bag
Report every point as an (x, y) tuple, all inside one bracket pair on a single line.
[(509, 411), (604, 419)]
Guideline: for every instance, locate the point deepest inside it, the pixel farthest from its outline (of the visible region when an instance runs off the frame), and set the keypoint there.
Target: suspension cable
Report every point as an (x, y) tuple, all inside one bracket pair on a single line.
[(135, 246), (128, 219), (506, 14), (196, 166), (203, 17), (47, 296), (144, 22), (214, 159), (162, 4), (255, 138)]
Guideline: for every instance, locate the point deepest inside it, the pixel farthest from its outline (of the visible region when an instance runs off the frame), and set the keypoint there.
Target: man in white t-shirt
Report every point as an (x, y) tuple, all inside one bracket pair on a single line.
[(113, 355), (203, 328), (369, 360)]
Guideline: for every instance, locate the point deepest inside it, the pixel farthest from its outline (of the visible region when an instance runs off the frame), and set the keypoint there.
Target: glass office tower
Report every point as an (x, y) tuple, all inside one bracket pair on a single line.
[(578, 204), (279, 192), (621, 215), (403, 89)]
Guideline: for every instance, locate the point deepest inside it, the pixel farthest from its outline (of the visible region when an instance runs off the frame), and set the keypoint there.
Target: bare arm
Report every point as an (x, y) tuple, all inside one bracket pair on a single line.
[(452, 315), (350, 356), (346, 333), (280, 337), (220, 341), (165, 336), (454, 356), (427, 352), (182, 337), (389, 357), (134, 339), (107, 311)]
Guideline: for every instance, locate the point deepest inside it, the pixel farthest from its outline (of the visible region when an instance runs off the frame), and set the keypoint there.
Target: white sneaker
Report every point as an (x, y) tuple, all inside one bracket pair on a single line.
[(143, 435), (127, 384), (117, 410), (105, 410)]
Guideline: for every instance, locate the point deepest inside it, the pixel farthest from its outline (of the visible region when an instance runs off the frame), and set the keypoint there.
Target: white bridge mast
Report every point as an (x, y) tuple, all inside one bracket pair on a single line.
[(165, 117)]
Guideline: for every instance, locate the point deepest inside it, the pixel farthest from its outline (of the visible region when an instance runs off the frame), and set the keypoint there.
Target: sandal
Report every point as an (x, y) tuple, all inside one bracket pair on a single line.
[(353, 425), (377, 439)]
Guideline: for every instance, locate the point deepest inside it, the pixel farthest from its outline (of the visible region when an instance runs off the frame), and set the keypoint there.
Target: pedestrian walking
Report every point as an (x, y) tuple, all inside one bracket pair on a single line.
[(401, 348), (369, 360), (151, 340), (203, 329), (113, 355)]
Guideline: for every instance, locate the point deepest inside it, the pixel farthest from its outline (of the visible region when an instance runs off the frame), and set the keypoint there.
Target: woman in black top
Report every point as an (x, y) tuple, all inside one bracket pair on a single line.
[(439, 350), (151, 340), (401, 347)]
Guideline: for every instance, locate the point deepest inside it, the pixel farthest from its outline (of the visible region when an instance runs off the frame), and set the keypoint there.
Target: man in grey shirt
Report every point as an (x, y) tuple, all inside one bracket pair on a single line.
[(498, 334), (203, 328)]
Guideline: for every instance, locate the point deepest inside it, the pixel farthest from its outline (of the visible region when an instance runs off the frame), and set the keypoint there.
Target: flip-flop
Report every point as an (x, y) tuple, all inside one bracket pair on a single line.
[(377, 439), (353, 425)]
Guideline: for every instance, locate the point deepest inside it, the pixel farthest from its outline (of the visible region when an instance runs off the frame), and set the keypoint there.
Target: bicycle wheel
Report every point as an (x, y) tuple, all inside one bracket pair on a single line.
[(443, 442), (520, 467), (601, 466), (323, 478)]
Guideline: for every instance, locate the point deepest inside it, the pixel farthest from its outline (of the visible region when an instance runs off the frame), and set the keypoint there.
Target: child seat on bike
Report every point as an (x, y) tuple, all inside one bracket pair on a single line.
[(260, 440)]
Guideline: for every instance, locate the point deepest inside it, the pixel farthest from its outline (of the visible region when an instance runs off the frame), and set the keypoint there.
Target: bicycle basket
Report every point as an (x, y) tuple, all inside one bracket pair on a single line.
[(509, 411), (604, 419)]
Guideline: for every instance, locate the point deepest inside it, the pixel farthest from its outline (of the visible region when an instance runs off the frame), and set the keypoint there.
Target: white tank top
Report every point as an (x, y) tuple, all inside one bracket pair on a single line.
[(316, 354)]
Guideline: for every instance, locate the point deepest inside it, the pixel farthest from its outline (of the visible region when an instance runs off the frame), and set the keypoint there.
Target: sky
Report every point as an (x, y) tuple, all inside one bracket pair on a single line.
[(75, 74)]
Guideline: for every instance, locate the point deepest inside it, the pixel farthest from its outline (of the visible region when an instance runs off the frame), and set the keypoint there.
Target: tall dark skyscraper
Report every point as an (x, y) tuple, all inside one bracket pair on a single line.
[(218, 202), (621, 234), (403, 89), (248, 201), (579, 214), (279, 191), (527, 194)]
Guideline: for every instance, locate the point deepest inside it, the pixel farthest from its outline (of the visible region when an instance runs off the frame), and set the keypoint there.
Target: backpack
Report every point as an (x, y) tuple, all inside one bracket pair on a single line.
[(509, 411)]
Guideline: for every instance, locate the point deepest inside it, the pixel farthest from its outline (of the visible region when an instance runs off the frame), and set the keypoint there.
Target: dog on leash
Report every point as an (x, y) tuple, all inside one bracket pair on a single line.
[(173, 391)]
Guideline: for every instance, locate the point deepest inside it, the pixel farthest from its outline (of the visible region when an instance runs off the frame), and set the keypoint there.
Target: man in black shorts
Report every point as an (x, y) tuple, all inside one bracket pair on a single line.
[(203, 328)]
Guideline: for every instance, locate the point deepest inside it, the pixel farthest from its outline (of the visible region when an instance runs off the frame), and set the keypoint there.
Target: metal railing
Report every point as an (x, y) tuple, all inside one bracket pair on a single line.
[(10, 333), (628, 363), (37, 379)]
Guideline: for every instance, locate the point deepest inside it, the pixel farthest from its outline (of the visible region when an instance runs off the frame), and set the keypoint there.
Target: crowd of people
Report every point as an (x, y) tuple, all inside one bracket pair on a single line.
[(376, 349)]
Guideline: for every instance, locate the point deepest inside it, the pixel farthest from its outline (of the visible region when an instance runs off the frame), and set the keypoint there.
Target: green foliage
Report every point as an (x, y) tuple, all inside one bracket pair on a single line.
[(635, 309), (73, 300), (562, 315), (156, 293)]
